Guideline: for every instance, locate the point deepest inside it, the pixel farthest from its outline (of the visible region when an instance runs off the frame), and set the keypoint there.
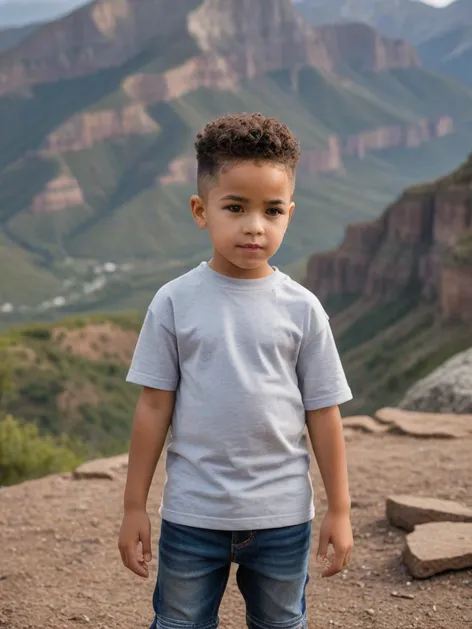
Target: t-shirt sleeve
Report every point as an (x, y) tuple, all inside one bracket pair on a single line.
[(155, 361), (321, 376)]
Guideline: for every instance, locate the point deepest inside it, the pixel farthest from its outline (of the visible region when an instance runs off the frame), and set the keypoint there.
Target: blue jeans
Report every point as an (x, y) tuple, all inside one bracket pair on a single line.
[(194, 566)]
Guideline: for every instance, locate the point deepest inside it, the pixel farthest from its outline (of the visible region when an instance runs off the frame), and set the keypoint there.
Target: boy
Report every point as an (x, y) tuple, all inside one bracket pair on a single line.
[(237, 359)]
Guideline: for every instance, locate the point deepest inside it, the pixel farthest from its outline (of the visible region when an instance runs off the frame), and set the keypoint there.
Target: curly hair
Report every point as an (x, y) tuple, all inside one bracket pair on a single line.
[(238, 137)]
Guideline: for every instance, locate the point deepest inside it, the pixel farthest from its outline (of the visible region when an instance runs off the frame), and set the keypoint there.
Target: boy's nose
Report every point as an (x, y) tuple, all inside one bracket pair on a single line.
[(253, 227)]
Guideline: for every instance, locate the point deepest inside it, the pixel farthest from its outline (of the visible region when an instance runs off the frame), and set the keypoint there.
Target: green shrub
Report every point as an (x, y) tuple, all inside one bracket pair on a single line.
[(25, 454)]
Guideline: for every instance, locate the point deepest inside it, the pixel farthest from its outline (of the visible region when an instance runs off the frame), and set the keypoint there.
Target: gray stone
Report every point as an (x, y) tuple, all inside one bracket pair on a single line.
[(448, 389)]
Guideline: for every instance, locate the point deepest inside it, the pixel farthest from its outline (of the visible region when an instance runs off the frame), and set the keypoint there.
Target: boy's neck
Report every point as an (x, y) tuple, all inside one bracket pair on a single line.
[(223, 266)]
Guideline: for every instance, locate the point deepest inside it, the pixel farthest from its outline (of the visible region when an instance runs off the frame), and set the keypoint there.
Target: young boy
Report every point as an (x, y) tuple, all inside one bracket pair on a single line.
[(237, 359)]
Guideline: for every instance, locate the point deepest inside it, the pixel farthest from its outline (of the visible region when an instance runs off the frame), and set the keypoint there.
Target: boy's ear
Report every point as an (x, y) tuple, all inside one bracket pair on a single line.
[(290, 211), (198, 211)]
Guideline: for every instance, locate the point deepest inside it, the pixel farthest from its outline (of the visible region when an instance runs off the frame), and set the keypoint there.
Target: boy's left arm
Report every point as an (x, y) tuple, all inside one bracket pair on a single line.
[(327, 438)]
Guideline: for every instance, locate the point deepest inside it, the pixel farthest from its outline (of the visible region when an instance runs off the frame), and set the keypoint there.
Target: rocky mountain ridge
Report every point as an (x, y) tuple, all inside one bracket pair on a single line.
[(412, 243), (106, 34), (409, 19)]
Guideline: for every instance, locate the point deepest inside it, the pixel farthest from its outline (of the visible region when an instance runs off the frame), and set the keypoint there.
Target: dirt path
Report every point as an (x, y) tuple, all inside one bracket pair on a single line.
[(60, 567)]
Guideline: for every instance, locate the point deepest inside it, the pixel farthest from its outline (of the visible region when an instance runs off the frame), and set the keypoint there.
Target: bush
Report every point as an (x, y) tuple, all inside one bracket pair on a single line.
[(25, 454)]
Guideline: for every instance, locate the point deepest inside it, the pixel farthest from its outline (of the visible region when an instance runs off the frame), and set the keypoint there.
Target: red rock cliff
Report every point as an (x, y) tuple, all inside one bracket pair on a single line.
[(100, 35), (253, 36), (413, 243)]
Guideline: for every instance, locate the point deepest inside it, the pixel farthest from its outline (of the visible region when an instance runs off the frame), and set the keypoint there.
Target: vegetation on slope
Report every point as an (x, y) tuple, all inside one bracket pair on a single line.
[(69, 379), (386, 347), (25, 454)]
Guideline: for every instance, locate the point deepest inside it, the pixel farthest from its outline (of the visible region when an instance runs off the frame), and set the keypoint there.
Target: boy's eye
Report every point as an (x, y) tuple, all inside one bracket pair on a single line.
[(233, 208), (274, 211)]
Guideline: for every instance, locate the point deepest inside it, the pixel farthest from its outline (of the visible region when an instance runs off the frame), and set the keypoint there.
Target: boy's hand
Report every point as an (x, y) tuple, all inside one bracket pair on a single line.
[(135, 528), (337, 531)]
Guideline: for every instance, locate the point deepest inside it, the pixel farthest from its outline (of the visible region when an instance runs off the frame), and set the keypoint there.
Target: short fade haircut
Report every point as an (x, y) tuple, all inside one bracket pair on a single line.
[(235, 138)]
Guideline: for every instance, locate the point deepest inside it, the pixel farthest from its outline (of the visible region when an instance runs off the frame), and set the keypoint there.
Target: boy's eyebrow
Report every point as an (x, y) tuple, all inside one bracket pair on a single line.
[(235, 197)]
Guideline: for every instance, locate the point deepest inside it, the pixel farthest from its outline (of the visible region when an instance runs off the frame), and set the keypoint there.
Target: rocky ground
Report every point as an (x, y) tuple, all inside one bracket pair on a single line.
[(60, 567)]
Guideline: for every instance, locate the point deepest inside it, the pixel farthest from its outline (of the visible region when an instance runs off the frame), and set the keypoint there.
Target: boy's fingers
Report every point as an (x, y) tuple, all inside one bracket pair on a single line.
[(130, 560), (347, 559), (337, 564), (323, 546), (139, 569), (146, 543)]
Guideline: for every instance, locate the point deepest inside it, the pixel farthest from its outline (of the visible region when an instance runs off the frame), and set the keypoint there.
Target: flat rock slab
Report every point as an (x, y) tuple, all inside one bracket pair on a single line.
[(406, 512), (434, 425), (101, 468), (437, 547), (364, 423)]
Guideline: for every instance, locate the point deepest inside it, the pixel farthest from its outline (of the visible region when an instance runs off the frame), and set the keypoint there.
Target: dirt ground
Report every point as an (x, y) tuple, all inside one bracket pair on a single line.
[(60, 567)]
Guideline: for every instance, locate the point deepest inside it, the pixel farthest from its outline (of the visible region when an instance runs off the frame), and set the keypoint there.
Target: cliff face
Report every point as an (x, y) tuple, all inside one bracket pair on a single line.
[(412, 244), (98, 36), (275, 37), (84, 130), (363, 48), (106, 34), (330, 159), (59, 194), (205, 71), (408, 135)]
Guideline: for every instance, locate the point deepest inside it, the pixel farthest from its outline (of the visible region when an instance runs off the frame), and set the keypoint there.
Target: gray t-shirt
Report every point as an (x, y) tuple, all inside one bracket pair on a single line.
[(247, 358)]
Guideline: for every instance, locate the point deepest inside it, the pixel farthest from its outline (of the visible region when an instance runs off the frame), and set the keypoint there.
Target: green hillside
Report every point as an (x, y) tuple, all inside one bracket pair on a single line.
[(23, 276), (69, 379), (450, 53)]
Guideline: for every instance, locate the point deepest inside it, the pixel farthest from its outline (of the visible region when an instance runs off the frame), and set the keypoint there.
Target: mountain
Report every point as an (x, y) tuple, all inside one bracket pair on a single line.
[(14, 13), (10, 37), (450, 53), (399, 289), (98, 114), (408, 19)]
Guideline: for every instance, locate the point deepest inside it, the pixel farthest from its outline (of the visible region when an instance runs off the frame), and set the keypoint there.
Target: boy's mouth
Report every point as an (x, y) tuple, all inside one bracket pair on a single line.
[(252, 246)]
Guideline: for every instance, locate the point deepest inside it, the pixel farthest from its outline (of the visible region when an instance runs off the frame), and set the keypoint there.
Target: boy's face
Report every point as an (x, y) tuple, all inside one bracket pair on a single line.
[(246, 211)]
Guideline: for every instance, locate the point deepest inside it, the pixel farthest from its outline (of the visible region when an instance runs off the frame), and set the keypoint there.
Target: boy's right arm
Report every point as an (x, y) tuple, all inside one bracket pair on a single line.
[(151, 424)]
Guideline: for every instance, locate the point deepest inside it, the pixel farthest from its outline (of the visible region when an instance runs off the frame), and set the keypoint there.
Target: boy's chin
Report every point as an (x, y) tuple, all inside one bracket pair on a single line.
[(250, 265)]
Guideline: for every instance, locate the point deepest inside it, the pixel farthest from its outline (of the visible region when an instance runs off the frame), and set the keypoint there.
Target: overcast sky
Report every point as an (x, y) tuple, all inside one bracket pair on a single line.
[(439, 3)]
